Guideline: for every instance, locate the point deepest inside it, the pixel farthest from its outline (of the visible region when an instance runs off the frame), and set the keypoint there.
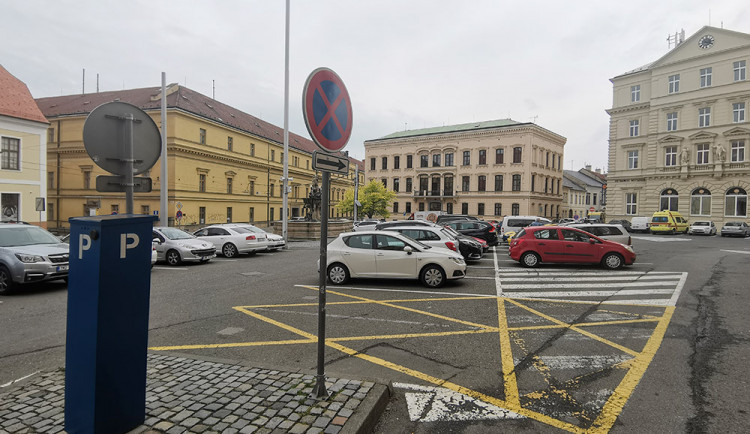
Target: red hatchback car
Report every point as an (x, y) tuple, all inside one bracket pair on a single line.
[(554, 244)]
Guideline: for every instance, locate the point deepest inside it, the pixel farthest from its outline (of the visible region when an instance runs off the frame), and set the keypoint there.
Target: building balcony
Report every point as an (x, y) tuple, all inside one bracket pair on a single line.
[(436, 194), (436, 169)]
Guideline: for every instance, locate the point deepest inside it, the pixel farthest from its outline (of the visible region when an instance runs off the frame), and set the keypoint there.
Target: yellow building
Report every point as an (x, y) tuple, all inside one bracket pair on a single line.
[(224, 165), (23, 159)]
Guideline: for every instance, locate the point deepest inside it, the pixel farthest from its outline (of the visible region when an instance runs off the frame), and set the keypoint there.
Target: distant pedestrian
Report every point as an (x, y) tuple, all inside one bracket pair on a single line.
[(537, 223)]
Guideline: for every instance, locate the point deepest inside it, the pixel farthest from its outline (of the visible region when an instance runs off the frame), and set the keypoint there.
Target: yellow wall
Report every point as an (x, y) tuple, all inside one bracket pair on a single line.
[(27, 182)]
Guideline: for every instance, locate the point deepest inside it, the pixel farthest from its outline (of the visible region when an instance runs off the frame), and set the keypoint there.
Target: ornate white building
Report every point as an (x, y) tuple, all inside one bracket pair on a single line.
[(679, 132)]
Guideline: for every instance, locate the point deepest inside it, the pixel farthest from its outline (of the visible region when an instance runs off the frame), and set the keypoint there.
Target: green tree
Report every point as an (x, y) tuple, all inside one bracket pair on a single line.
[(374, 197)]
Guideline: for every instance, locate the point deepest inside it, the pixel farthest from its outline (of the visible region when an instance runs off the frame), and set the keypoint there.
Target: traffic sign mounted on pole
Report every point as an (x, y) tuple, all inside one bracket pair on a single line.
[(330, 163), (327, 110)]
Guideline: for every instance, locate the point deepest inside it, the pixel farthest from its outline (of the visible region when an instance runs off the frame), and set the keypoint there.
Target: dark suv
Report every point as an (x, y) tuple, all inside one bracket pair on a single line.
[(475, 228), (448, 217)]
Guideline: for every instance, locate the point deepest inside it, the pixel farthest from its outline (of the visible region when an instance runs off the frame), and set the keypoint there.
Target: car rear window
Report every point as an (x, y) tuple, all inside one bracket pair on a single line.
[(513, 223), (359, 241), (700, 224), (546, 234)]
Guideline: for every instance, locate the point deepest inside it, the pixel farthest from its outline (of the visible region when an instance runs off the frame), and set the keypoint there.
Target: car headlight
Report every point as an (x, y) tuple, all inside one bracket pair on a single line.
[(29, 258), (629, 248), (458, 260)]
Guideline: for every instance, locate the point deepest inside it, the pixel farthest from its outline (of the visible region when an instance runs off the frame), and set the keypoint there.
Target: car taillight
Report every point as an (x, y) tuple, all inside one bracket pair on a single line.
[(630, 241), (451, 245), (250, 237), (492, 229)]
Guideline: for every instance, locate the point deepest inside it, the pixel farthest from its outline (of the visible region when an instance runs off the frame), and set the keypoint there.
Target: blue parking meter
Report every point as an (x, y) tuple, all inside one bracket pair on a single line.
[(108, 304)]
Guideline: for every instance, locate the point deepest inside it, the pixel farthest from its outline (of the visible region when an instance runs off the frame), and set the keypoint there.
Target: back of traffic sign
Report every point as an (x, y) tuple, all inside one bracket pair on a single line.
[(327, 110)]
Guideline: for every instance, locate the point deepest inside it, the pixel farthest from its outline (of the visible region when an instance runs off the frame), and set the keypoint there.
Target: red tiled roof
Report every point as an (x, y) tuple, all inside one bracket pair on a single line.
[(182, 98), (16, 100)]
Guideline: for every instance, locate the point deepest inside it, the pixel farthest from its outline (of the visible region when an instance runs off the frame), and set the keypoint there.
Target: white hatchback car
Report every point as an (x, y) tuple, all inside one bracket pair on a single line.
[(704, 227), (386, 254), (232, 240), (175, 246)]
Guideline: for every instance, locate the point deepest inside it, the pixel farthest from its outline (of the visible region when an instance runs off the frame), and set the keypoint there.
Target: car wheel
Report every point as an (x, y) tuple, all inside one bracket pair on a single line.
[(6, 280), (613, 261), (229, 250), (173, 257), (530, 259), (432, 276), (338, 274)]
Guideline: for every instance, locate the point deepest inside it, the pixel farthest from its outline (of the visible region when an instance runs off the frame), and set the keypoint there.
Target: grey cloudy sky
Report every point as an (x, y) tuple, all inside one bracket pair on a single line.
[(407, 64)]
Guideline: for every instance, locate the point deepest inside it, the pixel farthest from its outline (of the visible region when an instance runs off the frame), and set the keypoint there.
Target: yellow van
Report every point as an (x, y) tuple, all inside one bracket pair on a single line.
[(669, 222)]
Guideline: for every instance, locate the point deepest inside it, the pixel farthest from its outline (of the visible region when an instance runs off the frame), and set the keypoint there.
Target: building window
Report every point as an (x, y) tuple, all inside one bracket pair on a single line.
[(408, 207), (395, 185), (498, 209), (635, 93), (50, 180), (251, 188), (9, 203), (408, 185), (384, 163), (50, 211), (270, 216), (467, 158), (700, 202), (464, 208), (533, 182), (395, 207), (701, 156), (385, 182), (372, 163), (672, 121), (498, 182), (706, 77), (634, 128), (202, 183), (517, 154), (271, 190), (421, 206), (252, 149), (674, 83), (409, 161), (50, 135), (449, 159), (396, 162), (482, 184), (630, 203), (739, 70), (499, 156), (230, 143), (465, 183), (516, 183), (738, 151), (668, 201), (735, 204), (515, 209), (482, 156), (252, 214), (86, 179), (229, 185), (202, 136), (229, 214), (738, 112), (704, 117), (114, 209), (480, 209), (632, 159), (424, 161), (11, 149), (436, 160), (670, 156)]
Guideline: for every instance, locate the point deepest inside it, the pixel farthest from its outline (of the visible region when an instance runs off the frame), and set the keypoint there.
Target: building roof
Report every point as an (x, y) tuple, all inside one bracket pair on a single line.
[(180, 98), (16, 101), (582, 179), (473, 126), (567, 183)]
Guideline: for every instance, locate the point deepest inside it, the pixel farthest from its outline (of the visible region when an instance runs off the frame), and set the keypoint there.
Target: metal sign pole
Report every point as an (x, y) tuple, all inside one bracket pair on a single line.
[(320, 386), (129, 119)]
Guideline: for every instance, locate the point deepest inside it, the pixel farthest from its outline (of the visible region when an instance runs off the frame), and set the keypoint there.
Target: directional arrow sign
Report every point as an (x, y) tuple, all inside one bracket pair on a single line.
[(106, 183), (330, 163)]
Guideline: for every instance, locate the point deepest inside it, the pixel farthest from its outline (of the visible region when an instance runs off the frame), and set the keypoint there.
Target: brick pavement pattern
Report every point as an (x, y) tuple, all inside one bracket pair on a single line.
[(185, 395)]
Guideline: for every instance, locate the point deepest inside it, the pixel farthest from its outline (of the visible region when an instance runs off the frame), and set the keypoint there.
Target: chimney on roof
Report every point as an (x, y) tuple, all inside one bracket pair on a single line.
[(598, 170), (588, 167)]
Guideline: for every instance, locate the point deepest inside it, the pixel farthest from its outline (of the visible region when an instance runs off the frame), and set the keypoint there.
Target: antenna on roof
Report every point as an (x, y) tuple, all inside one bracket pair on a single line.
[(97, 82), (676, 39), (213, 89), (83, 82)]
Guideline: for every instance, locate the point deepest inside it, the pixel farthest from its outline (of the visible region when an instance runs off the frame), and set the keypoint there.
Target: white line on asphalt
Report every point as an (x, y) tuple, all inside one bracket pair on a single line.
[(18, 379), (635, 301), (401, 290), (587, 285), (171, 268), (498, 284), (581, 362), (745, 252), (662, 240), (566, 294), (586, 279), (678, 290)]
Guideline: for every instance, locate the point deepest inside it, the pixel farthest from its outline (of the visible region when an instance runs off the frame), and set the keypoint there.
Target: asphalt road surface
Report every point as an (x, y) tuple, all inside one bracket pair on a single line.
[(658, 346)]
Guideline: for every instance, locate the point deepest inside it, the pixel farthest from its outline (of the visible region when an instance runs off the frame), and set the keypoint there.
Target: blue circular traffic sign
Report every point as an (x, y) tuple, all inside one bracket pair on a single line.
[(327, 110)]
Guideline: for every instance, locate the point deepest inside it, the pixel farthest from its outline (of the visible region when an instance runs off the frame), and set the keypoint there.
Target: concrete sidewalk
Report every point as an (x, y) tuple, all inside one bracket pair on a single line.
[(190, 395)]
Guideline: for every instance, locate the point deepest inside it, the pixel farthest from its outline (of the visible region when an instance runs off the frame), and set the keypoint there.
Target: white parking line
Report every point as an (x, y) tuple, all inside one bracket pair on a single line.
[(433, 404), (18, 379), (460, 294), (744, 252), (575, 294)]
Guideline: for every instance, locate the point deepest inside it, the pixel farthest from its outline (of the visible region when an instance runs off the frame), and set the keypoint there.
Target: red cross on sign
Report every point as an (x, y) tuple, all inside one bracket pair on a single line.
[(327, 110)]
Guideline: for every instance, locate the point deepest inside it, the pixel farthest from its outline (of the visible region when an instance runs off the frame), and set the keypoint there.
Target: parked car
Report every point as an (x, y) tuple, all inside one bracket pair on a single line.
[(606, 231), (365, 225), (735, 229), (518, 222), (154, 255), (232, 240), (175, 246), (470, 248), (623, 223), (388, 225), (29, 253), (640, 224), (431, 236), (670, 222), (441, 219), (478, 229), (705, 227), (273, 241), (386, 254), (559, 244)]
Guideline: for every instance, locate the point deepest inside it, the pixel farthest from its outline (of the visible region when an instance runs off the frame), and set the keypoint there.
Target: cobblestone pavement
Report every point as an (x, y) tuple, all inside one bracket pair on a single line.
[(185, 395)]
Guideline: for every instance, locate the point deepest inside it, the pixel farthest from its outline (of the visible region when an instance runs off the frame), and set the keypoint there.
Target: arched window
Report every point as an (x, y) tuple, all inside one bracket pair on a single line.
[(700, 202), (668, 200), (735, 204)]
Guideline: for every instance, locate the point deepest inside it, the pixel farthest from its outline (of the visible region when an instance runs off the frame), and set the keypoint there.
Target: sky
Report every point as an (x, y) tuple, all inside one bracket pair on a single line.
[(407, 64)]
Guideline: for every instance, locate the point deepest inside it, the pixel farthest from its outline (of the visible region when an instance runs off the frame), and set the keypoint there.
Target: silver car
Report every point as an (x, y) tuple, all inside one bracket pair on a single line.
[(30, 254), (735, 229), (705, 227), (232, 240), (616, 233), (175, 246), (272, 241)]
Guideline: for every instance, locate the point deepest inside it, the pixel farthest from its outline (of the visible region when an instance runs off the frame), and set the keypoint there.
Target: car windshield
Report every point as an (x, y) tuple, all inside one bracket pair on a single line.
[(26, 236), (176, 234), (733, 224), (449, 234), (700, 224)]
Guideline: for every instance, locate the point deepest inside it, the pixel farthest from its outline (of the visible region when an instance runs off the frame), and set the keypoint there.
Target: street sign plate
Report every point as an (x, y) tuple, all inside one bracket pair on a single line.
[(330, 163), (327, 110), (113, 184)]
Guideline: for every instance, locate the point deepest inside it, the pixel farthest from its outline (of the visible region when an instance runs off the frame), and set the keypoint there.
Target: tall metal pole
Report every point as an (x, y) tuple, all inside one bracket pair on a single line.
[(320, 385), (356, 191), (129, 120), (285, 206), (163, 193)]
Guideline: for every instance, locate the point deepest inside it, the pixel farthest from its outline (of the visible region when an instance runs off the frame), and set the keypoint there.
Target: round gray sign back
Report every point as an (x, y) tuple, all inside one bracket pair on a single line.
[(104, 135)]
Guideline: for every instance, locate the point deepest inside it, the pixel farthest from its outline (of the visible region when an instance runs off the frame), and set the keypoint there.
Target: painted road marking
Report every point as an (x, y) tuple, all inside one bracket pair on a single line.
[(661, 240), (744, 252), (433, 404), (18, 379)]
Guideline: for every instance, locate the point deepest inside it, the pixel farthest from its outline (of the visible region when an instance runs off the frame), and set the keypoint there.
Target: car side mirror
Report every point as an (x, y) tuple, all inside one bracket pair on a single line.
[(592, 241), (156, 240), (408, 250)]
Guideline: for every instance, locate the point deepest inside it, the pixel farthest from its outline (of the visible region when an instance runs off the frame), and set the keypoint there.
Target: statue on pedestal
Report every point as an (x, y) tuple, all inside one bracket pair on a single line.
[(720, 153), (312, 202), (685, 156)]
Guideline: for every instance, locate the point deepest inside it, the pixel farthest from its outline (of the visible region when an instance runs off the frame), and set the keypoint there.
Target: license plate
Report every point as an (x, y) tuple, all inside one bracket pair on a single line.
[(62, 267)]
